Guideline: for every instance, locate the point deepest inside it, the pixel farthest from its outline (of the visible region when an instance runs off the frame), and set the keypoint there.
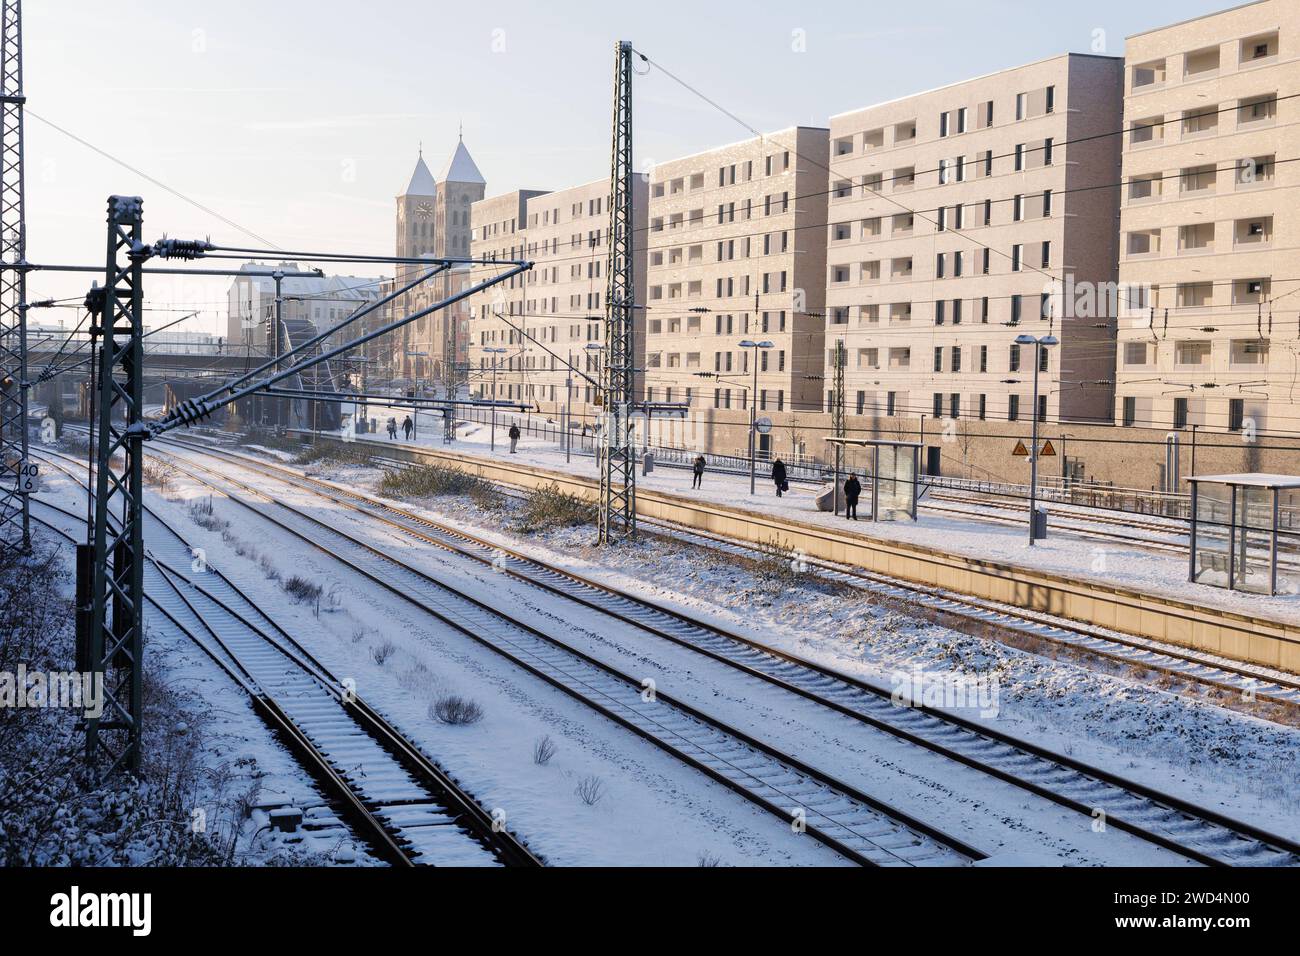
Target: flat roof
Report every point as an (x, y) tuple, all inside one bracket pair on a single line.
[(1249, 479), (976, 79), (1204, 16)]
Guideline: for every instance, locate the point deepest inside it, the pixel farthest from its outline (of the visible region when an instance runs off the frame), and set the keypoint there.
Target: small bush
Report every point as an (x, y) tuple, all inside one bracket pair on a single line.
[(590, 790), (428, 481), (300, 589), (455, 710), (201, 514), (548, 507), (708, 859), (775, 561), (382, 652), (543, 751), (336, 453), (156, 475), (269, 568)]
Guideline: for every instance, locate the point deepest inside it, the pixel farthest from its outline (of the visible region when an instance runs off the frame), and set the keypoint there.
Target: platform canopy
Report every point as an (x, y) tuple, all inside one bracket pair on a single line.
[(1240, 523)]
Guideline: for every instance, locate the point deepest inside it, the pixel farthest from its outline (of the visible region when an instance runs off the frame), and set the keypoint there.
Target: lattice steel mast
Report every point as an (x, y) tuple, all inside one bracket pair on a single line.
[(618, 376), (117, 595), (15, 521)]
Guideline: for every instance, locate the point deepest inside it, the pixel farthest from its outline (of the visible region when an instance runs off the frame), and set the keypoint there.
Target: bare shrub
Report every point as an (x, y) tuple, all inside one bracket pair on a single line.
[(201, 513), (337, 453), (302, 590), (543, 750), (775, 561), (455, 710), (156, 475), (269, 568), (548, 507), (590, 789), (359, 635), (708, 859), (428, 481), (382, 652)]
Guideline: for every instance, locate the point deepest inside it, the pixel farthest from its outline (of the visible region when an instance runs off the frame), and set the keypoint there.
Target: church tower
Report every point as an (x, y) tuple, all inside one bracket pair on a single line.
[(416, 217), (462, 184)]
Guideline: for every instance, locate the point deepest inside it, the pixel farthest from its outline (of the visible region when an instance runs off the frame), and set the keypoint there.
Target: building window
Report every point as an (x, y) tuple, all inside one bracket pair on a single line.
[(1180, 413), (1236, 414), (1130, 411), (938, 404), (983, 407), (1013, 408)]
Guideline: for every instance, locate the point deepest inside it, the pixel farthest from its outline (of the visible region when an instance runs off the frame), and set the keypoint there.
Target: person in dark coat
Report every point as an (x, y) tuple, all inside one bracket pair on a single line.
[(407, 425), (778, 477), (514, 438), (852, 492), (697, 467), (392, 429)]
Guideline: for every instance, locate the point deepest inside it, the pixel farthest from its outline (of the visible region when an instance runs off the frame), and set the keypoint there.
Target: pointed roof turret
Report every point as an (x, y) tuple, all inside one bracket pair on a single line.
[(422, 183), (461, 167)]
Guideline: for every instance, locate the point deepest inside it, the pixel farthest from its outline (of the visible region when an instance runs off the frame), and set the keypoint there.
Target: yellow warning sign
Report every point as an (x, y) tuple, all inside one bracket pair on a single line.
[(1021, 451), (1048, 451)]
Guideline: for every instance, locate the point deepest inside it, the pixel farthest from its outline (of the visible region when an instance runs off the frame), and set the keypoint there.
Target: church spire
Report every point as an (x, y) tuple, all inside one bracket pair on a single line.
[(461, 167), (422, 182)]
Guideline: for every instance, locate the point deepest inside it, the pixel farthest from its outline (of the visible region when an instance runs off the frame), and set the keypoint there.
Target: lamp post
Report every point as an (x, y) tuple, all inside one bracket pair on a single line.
[(494, 352), (1039, 344), (753, 404)]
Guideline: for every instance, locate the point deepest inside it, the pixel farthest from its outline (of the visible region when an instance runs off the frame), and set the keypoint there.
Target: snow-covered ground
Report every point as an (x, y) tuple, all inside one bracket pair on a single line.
[(246, 765), (1208, 755), (1111, 563)]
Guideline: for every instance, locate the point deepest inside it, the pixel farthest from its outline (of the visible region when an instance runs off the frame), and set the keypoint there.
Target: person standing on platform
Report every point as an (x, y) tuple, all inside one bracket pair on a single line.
[(852, 492)]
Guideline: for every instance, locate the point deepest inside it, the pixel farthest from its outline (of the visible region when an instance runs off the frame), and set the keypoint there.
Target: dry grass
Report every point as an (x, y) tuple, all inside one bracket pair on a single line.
[(548, 507)]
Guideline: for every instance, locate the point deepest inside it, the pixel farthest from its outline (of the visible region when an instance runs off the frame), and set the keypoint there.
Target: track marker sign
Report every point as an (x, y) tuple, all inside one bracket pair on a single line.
[(1020, 450), (1048, 451)]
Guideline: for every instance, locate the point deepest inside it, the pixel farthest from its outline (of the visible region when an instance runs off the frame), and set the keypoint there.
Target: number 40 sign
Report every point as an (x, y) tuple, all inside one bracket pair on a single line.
[(28, 472)]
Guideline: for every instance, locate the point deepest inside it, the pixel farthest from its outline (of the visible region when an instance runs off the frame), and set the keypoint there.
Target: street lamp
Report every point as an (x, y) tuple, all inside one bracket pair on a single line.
[(1047, 341), (494, 352), (753, 405)]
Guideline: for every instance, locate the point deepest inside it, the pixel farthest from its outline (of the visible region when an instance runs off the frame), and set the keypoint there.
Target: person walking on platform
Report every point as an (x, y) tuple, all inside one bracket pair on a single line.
[(852, 492), (778, 477), (514, 438), (697, 468), (407, 426), (392, 429)]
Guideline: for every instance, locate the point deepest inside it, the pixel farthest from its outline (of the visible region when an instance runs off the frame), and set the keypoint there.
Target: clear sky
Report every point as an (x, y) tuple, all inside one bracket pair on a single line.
[(300, 119)]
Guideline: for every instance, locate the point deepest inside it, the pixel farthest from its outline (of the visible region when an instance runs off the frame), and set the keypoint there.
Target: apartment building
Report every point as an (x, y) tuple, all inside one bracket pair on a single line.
[(963, 217), (1210, 225), (556, 321), (736, 252), (499, 232)]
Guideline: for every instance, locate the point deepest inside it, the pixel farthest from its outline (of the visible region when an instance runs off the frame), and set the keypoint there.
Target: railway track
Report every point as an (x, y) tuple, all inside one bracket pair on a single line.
[(860, 827), (1158, 818), (1246, 681), (405, 807)]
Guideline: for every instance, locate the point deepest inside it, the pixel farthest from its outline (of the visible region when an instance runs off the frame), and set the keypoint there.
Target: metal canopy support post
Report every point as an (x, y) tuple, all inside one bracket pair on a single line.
[(618, 466), (1191, 555), (117, 533), (15, 517), (837, 419), (1272, 547)]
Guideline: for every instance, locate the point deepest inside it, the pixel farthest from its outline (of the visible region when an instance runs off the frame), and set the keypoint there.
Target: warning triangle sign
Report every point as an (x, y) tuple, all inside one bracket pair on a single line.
[(1021, 451), (1048, 451)]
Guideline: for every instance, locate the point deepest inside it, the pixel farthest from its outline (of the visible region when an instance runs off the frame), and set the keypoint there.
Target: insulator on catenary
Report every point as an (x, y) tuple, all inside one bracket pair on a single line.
[(181, 248), (189, 411)]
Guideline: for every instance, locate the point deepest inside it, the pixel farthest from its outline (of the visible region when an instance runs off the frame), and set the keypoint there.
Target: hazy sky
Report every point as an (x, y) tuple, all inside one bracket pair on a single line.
[(299, 120)]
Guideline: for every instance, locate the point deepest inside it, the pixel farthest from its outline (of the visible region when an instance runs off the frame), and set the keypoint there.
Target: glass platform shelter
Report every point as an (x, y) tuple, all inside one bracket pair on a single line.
[(1236, 523), (892, 480)]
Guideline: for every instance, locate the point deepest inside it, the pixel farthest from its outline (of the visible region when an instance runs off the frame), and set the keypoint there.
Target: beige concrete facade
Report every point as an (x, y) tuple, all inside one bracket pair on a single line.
[(952, 214), (737, 247), (1210, 242), (547, 317)]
